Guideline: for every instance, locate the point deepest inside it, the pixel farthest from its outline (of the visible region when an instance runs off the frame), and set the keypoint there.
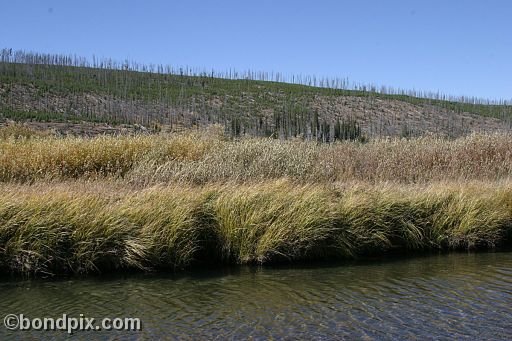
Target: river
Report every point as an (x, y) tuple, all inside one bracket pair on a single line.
[(445, 296)]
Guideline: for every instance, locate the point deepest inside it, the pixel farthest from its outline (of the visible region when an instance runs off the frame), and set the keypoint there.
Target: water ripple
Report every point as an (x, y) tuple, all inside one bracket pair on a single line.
[(457, 296)]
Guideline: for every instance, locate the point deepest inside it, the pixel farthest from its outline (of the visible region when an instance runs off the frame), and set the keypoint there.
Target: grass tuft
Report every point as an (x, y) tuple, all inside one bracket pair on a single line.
[(93, 227)]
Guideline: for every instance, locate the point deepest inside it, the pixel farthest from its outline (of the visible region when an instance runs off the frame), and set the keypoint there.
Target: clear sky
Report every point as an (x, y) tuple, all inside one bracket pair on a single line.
[(459, 47)]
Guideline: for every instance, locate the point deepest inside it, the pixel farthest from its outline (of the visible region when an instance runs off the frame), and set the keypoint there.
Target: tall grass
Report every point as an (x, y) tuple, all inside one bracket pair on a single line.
[(273, 221), (195, 158), (21, 131), (79, 205), (28, 159), (83, 227)]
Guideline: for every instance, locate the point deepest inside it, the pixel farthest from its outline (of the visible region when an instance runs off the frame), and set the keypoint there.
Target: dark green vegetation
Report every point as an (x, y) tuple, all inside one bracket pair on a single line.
[(49, 88)]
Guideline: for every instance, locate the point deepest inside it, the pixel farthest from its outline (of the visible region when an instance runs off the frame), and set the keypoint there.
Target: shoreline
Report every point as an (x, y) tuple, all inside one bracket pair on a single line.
[(90, 205), (220, 269)]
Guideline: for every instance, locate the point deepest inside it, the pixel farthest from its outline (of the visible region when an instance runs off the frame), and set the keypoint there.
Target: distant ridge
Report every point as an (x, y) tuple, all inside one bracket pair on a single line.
[(38, 87)]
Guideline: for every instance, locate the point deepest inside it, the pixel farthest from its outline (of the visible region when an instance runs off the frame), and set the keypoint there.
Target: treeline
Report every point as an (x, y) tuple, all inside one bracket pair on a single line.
[(28, 57), (57, 87)]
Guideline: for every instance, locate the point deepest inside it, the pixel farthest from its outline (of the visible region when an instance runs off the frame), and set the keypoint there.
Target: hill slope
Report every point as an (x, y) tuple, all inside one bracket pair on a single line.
[(94, 99)]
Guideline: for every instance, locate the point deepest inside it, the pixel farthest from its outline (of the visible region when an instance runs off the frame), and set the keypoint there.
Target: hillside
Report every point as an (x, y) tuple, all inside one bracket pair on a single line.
[(80, 98)]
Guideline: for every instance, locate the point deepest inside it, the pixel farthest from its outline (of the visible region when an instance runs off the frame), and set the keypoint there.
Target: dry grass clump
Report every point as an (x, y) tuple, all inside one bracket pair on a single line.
[(196, 158), (439, 216), (57, 158), (174, 225), (23, 160), (21, 131), (248, 160), (62, 231), (85, 227), (265, 222), (420, 160)]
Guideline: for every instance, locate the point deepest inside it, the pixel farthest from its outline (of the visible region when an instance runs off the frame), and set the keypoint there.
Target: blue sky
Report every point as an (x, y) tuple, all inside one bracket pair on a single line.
[(459, 47)]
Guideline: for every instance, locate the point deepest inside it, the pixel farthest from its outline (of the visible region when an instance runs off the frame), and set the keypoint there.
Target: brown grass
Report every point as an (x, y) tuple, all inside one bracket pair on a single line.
[(138, 202), (196, 158)]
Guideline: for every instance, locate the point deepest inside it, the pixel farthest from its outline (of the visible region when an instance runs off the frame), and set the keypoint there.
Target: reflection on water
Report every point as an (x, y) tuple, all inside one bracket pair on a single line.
[(442, 296)]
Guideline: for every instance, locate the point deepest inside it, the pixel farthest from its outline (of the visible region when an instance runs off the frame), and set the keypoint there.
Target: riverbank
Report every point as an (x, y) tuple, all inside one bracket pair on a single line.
[(83, 205), (99, 226)]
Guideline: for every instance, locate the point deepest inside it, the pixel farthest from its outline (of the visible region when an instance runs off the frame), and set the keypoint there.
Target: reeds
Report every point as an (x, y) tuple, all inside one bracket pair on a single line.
[(198, 158), (21, 131), (29, 159), (82, 227), (76, 205)]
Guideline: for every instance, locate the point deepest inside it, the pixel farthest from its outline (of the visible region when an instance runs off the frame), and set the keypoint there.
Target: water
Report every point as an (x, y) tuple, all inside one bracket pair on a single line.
[(455, 296)]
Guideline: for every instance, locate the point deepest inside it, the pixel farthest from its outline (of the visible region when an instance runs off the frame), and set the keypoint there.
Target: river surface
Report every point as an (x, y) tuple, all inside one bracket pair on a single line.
[(451, 296)]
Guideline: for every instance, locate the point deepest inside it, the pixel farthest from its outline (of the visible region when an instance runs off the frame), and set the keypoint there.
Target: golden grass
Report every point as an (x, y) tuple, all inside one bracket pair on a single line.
[(82, 205), (21, 131), (82, 227), (195, 158), (75, 157)]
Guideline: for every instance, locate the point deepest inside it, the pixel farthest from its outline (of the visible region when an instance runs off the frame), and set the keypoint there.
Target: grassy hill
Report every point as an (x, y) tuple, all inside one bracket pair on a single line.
[(73, 95)]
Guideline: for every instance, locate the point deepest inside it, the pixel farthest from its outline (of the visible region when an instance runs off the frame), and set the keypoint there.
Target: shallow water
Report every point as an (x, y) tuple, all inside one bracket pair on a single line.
[(442, 296)]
